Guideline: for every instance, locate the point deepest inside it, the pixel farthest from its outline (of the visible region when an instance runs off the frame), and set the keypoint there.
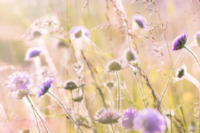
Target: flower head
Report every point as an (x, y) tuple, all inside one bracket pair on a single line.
[(140, 21), (70, 85), (79, 31), (19, 83), (107, 116), (149, 121), (197, 37), (127, 119), (32, 52), (179, 42), (114, 66), (45, 86), (130, 55)]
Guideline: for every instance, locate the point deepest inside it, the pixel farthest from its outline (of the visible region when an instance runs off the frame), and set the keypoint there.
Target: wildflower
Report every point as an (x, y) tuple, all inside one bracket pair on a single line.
[(198, 38), (79, 31), (149, 121), (19, 83), (130, 55), (45, 86), (127, 119), (114, 66), (70, 85), (77, 98), (107, 116), (109, 84), (179, 42), (32, 52), (180, 73), (140, 21)]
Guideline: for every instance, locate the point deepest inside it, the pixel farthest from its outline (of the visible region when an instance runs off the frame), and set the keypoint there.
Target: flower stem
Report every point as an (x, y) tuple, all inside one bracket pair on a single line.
[(55, 97), (33, 107), (193, 54), (113, 130), (118, 92)]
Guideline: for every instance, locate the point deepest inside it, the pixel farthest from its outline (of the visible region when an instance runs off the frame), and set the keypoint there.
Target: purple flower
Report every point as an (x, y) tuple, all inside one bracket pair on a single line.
[(179, 42), (107, 116), (19, 81), (140, 21), (149, 121), (127, 119), (78, 31), (45, 86), (32, 52)]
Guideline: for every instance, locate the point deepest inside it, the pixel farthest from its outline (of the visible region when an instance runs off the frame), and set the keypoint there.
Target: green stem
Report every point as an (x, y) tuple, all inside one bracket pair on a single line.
[(193, 55), (63, 107), (33, 107), (36, 120), (118, 92), (113, 130)]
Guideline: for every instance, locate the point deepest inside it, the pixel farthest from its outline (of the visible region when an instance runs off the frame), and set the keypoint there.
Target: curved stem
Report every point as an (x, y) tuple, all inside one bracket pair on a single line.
[(193, 54), (33, 107), (63, 107)]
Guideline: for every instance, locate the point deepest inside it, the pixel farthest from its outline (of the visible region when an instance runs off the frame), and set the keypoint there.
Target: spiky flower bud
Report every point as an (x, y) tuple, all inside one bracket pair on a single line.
[(70, 85), (114, 66)]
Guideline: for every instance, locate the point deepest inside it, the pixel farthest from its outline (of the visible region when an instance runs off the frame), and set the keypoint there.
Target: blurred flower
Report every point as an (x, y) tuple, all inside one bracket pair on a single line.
[(79, 31), (149, 121), (19, 83), (130, 55), (109, 84), (140, 21), (62, 44), (181, 71), (45, 86), (107, 116), (197, 37), (114, 66), (70, 85), (77, 98), (179, 42), (127, 119), (41, 26), (32, 52)]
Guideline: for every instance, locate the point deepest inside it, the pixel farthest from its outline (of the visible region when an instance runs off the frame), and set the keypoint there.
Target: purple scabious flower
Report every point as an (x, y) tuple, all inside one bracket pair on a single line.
[(45, 86), (140, 21), (179, 42), (79, 31), (149, 121), (32, 52), (127, 119), (19, 81), (107, 116)]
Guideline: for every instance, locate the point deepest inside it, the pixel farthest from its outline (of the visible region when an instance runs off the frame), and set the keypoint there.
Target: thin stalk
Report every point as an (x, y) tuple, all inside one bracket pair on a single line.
[(193, 54), (113, 130), (118, 92), (36, 120), (171, 73), (33, 107), (140, 90), (63, 107)]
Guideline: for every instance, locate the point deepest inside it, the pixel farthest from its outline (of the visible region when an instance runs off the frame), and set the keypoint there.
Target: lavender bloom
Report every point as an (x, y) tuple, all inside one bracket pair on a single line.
[(45, 86), (127, 119), (140, 21), (198, 38), (149, 121), (32, 52), (107, 116), (78, 31), (19, 83), (179, 42)]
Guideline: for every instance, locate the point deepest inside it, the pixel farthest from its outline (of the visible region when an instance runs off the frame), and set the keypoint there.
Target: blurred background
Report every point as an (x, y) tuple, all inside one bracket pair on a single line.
[(165, 19)]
